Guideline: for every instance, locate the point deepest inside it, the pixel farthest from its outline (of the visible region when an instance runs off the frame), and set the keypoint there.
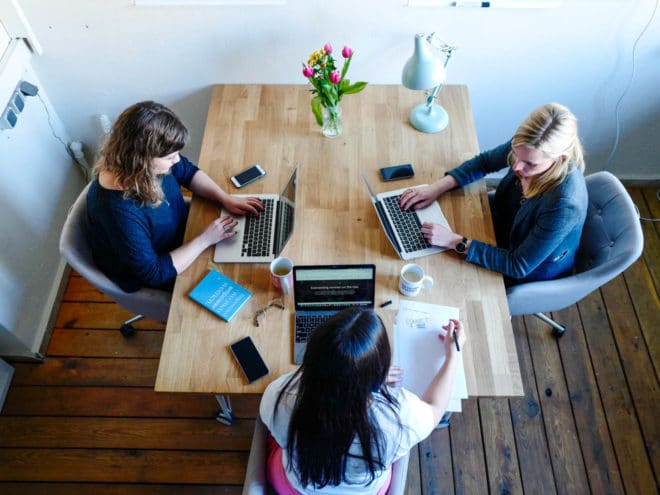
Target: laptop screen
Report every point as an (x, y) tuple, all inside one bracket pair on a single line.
[(329, 287), (286, 214)]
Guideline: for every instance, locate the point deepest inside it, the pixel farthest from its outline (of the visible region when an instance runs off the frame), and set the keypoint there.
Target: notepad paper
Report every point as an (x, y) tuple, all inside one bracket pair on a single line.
[(419, 351), (220, 295)]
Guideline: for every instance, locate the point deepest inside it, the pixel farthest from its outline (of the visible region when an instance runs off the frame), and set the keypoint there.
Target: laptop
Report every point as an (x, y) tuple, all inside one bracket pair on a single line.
[(321, 291), (403, 228), (261, 238)]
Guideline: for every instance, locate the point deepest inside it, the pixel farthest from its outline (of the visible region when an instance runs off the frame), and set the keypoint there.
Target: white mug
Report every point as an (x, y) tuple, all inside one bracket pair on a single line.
[(281, 273), (412, 280)]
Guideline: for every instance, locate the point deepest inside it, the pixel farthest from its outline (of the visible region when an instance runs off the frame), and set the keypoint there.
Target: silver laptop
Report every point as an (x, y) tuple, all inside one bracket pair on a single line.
[(261, 238), (403, 228), (321, 291)]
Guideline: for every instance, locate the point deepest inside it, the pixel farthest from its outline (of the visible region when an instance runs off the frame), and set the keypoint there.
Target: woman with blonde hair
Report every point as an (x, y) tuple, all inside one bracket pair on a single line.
[(136, 215), (539, 206)]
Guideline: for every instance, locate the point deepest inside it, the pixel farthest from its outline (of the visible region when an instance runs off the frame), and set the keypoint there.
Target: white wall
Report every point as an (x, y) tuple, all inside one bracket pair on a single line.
[(100, 56), (40, 181)]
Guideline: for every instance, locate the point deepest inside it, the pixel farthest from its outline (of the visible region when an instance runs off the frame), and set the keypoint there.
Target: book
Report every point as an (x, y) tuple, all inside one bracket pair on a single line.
[(419, 351), (220, 294)]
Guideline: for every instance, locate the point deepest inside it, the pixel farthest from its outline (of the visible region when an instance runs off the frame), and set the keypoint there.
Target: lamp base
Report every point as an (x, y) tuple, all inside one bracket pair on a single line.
[(427, 118)]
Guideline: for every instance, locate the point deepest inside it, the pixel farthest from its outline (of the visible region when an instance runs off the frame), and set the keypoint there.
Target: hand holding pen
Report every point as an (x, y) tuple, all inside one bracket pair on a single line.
[(455, 335)]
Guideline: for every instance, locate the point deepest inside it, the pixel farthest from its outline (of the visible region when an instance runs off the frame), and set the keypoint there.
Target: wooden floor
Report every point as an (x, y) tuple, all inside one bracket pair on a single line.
[(87, 420)]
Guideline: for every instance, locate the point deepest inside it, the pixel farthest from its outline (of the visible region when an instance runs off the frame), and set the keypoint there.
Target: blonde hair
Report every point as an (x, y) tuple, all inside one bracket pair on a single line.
[(144, 131), (551, 129)]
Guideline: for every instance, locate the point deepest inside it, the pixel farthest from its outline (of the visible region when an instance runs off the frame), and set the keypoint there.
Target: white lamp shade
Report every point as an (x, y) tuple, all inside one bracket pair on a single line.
[(423, 70)]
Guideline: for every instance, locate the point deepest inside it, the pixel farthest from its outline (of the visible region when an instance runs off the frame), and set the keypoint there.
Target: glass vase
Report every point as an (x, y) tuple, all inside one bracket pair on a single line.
[(332, 124)]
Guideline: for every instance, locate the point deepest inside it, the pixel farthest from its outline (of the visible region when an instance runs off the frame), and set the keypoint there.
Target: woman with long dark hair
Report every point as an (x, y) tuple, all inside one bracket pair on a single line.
[(136, 215), (336, 423)]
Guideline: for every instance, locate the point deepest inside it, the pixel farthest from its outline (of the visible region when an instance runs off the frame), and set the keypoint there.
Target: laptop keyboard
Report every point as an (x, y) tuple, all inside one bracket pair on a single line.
[(258, 231), (407, 225), (306, 324)]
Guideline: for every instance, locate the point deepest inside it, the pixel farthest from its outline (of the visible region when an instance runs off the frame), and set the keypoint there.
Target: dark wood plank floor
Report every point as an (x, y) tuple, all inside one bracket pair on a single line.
[(87, 420)]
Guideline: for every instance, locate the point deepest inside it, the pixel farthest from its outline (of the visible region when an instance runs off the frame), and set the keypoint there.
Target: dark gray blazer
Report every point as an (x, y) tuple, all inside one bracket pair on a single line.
[(537, 238)]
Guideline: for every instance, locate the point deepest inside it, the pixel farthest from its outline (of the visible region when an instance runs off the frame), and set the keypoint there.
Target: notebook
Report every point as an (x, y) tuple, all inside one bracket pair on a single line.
[(403, 228), (262, 237), (320, 291)]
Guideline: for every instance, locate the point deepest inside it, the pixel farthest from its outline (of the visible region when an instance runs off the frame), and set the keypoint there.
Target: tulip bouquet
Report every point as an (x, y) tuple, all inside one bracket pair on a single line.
[(329, 82)]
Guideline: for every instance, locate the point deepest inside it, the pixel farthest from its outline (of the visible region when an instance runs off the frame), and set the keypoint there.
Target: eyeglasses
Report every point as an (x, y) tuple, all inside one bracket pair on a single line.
[(278, 303)]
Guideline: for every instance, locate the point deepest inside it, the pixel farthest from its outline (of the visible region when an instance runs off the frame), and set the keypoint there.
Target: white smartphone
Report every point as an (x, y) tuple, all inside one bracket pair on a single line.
[(248, 176)]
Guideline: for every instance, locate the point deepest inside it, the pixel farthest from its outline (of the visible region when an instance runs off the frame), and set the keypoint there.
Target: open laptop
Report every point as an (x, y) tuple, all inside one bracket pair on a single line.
[(261, 238), (403, 228), (320, 291)]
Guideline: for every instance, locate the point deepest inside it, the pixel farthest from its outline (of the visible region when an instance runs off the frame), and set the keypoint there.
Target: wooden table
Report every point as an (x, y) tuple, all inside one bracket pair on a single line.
[(335, 223)]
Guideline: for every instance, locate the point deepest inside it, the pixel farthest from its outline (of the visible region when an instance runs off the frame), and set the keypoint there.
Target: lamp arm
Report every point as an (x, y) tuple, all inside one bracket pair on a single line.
[(433, 95)]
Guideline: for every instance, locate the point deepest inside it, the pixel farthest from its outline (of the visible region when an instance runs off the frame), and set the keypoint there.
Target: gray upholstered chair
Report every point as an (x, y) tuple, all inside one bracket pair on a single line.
[(255, 476), (74, 248), (611, 241)]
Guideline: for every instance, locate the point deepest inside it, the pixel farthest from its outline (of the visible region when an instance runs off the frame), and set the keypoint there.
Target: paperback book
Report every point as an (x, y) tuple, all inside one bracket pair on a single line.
[(220, 295)]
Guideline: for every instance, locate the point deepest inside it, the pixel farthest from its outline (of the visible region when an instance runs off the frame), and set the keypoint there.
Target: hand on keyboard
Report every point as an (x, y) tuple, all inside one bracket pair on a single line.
[(220, 229), (243, 205), (418, 197)]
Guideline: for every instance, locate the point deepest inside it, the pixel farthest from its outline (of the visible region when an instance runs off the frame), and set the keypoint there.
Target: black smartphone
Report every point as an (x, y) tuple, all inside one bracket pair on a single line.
[(249, 359), (396, 172), (248, 176)]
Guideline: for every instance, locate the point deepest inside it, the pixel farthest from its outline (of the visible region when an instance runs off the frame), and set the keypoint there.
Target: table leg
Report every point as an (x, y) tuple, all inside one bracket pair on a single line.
[(224, 414)]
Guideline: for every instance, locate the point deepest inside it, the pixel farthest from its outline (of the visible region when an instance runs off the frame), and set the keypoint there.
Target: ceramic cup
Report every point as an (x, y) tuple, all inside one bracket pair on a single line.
[(281, 273), (412, 280)]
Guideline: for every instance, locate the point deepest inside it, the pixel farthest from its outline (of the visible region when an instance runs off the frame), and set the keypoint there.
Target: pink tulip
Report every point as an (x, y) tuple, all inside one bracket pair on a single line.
[(335, 77), (308, 71), (328, 48), (347, 52)]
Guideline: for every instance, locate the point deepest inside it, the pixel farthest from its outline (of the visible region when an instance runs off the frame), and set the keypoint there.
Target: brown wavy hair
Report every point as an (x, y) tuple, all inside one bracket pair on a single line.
[(144, 131), (551, 129)]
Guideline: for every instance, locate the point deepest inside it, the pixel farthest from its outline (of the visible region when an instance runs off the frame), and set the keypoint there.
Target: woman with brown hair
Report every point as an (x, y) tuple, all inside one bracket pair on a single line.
[(136, 215)]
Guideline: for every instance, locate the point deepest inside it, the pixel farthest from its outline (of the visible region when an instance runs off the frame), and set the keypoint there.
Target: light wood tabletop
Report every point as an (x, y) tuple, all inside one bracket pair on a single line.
[(335, 223)]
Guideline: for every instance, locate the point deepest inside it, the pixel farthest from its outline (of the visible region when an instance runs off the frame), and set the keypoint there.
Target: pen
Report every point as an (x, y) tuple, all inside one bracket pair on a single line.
[(386, 303), (458, 348), (508, 4)]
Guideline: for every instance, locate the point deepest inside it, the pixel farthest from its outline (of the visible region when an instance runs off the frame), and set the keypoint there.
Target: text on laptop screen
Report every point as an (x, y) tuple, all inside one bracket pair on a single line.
[(334, 288)]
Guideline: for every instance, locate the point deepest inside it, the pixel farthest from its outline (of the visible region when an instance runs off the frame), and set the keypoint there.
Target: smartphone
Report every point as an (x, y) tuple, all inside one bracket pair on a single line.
[(248, 176), (249, 359), (397, 172)]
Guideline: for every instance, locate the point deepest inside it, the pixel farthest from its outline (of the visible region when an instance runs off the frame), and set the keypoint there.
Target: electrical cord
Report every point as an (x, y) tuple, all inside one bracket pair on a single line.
[(82, 166), (617, 108), (644, 219)]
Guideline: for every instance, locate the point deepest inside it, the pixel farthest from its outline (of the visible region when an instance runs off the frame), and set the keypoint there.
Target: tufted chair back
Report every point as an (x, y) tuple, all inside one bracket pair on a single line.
[(611, 241)]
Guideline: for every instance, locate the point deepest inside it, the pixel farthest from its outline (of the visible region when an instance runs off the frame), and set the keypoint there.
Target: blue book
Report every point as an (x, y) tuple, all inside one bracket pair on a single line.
[(220, 295)]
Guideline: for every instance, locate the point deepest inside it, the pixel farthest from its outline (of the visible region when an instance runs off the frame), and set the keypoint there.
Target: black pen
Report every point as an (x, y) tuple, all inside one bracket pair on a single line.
[(386, 303), (458, 347)]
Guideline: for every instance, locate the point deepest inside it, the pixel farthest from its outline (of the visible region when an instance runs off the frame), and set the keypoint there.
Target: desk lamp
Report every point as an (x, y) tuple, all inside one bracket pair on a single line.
[(424, 70)]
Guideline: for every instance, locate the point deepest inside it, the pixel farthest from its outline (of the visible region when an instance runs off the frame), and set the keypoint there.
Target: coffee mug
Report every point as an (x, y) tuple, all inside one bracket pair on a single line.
[(281, 273), (412, 280)]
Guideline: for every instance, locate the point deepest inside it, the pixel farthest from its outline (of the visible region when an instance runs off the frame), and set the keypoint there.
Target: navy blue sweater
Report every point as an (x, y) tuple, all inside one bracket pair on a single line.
[(131, 243), (537, 238)]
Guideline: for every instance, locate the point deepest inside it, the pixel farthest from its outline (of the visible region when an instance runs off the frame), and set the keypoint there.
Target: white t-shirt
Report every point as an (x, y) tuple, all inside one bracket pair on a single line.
[(415, 415)]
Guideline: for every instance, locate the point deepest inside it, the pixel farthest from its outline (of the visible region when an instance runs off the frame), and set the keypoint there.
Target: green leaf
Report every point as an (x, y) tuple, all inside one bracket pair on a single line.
[(316, 110), (355, 88)]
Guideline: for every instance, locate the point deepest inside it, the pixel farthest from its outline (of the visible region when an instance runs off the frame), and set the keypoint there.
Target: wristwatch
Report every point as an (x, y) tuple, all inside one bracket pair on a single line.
[(461, 246)]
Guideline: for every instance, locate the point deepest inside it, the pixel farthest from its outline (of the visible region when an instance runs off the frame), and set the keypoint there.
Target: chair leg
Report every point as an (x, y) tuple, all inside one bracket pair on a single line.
[(557, 329), (127, 329)]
